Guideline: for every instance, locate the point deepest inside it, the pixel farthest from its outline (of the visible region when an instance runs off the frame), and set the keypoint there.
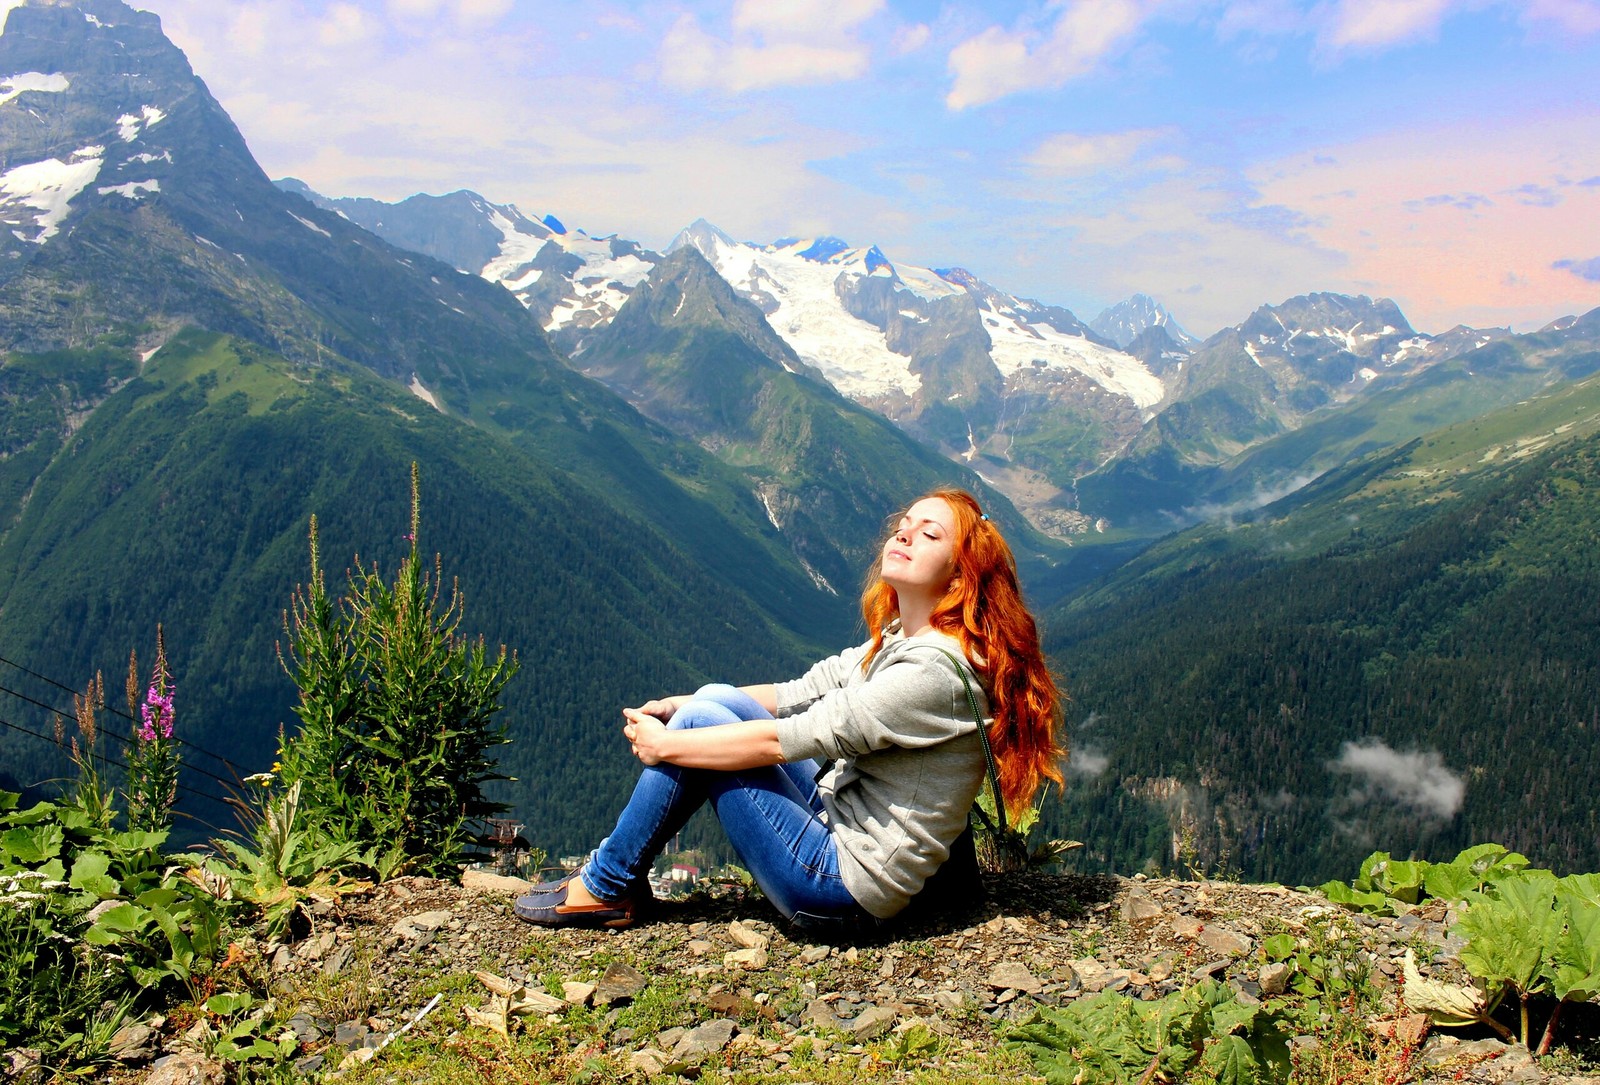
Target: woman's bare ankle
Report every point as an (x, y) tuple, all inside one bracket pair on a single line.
[(578, 893)]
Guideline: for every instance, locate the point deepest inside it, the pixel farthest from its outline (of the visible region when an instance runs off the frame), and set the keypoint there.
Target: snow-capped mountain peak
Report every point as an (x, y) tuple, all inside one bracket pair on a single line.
[(870, 324), (1125, 321)]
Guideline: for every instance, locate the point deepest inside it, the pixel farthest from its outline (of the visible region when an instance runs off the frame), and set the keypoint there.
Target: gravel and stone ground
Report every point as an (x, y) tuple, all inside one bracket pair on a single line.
[(367, 963)]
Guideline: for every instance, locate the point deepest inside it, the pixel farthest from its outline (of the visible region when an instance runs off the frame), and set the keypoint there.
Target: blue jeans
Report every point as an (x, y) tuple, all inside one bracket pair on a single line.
[(772, 815)]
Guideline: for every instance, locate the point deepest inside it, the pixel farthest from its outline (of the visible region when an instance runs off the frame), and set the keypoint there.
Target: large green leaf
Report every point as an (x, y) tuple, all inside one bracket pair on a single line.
[(116, 923), (1364, 900), (89, 874), (1451, 881), (1584, 887), (1575, 957), (1510, 934), (1230, 1061), (29, 845), (1401, 879)]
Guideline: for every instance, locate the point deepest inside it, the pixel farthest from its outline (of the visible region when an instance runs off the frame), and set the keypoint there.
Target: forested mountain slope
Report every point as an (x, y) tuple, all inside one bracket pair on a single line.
[(183, 499), (1405, 652), (1219, 445)]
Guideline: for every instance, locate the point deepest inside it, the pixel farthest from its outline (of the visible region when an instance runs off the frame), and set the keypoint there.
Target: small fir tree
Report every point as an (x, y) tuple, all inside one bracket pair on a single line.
[(396, 712)]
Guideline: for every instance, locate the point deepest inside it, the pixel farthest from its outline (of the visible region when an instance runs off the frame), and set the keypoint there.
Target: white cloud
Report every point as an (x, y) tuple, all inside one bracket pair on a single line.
[(1087, 761), (1374, 25), (1417, 780), (999, 62), (826, 19), (482, 12), (774, 43), (1576, 17), (415, 9), (1068, 154), (345, 24), (1377, 24), (910, 38)]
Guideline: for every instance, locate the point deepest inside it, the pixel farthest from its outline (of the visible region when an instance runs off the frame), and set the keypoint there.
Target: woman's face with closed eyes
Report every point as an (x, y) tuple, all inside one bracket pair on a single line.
[(920, 556)]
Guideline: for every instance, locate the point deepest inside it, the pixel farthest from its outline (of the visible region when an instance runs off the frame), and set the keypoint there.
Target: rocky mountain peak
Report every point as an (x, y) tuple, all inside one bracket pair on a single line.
[(1123, 322), (98, 108), (703, 236)]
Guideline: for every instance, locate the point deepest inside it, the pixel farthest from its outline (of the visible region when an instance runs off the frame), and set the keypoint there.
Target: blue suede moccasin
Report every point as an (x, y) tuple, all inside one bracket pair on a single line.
[(552, 910)]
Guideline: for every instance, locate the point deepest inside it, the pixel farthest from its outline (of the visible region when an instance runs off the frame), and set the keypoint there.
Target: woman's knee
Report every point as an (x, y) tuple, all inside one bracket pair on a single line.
[(718, 693), (702, 713), (732, 698)]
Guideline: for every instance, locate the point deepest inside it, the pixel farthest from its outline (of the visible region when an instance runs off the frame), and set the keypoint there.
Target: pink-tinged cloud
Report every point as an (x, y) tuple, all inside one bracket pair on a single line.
[(999, 62), (691, 59), (1464, 225), (345, 24), (1583, 269), (1373, 25), (1574, 17)]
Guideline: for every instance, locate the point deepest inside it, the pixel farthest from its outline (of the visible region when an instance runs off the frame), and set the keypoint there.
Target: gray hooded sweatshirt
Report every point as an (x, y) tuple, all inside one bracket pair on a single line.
[(907, 760)]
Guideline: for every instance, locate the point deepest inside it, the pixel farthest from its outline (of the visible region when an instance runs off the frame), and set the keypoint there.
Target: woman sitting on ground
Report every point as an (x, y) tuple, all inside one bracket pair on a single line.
[(855, 843)]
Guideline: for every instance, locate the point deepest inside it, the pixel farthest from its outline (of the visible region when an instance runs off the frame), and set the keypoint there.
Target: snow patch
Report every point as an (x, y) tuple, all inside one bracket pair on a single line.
[(49, 188), (133, 190), (850, 353), (129, 125), (1410, 347), (95, 22), (52, 83), (766, 503), (1016, 346), (600, 284), (423, 394), (144, 158), (308, 224)]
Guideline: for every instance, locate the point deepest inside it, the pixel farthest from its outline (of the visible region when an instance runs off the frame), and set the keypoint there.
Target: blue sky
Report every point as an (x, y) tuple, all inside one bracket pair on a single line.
[(1216, 155)]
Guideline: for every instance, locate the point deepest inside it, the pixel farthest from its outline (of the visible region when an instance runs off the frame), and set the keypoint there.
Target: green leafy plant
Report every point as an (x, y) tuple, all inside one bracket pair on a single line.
[(235, 1033), (396, 711), (1528, 935), (912, 1045), (66, 983), (1015, 847), (1385, 884), (51, 995), (173, 931), (1110, 1039), (281, 860)]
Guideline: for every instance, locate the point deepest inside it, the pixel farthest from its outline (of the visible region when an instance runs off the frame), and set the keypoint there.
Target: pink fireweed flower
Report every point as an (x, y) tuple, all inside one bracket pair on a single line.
[(156, 712)]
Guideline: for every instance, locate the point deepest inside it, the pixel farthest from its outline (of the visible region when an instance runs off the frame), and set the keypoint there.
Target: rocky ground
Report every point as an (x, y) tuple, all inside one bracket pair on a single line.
[(368, 962)]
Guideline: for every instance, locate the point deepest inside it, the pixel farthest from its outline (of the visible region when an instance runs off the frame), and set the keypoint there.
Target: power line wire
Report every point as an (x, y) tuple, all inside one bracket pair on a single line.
[(112, 761), (115, 711), (126, 742)]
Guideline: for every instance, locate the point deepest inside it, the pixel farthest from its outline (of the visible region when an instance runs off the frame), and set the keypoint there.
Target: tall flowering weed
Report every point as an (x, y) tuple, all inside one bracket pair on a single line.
[(153, 760)]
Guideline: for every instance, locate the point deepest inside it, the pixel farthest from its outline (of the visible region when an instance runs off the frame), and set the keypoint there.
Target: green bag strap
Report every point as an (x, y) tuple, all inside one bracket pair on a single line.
[(983, 737)]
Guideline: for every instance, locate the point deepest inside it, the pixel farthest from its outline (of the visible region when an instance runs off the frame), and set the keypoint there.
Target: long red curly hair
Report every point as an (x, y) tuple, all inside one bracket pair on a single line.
[(983, 609)]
